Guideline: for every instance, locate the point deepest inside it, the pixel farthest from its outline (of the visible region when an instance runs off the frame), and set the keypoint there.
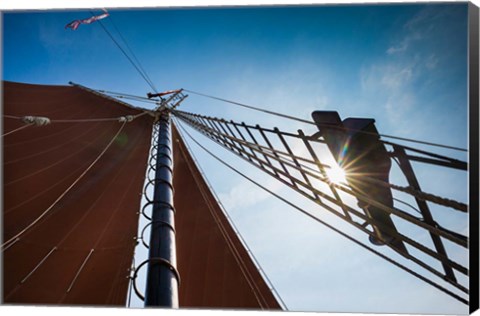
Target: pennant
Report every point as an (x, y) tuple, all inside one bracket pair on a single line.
[(75, 24)]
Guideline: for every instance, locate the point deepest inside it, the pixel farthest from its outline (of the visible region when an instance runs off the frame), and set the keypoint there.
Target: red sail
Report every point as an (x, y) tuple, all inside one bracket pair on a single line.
[(79, 250), (215, 268), (53, 261)]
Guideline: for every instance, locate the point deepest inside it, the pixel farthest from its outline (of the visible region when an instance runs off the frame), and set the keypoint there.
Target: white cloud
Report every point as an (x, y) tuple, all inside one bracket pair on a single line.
[(392, 81), (413, 33), (389, 77), (391, 86), (396, 77), (399, 48), (427, 19)]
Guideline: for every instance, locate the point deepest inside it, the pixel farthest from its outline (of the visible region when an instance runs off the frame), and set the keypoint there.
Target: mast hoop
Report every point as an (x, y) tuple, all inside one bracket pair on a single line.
[(154, 261), (168, 205), (163, 223), (151, 182), (152, 164)]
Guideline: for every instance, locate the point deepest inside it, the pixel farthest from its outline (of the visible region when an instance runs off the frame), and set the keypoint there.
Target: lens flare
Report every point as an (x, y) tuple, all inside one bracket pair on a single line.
[(343, 152), (336, 174)]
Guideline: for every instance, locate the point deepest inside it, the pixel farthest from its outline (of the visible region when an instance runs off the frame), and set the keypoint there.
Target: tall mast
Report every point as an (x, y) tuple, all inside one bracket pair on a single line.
[(162, 275)]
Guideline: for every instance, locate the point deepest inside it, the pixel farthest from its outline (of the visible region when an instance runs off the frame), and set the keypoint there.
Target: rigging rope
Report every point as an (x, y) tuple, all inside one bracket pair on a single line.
[(36, 244), (29, 121), (16, 130), (135, 99), (401, 266), (133, 54), (39, 120), (316, 124), (66, 191), (408, 204), (130, 287), (128, 57), (125, 94), (252, 107), (462, 207)]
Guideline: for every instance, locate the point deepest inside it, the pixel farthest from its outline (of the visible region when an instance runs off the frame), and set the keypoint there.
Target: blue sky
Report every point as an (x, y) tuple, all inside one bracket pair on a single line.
[(404, 65)]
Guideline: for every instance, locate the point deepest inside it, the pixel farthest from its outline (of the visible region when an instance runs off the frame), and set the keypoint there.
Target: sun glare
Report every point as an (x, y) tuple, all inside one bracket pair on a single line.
[(336, 174)]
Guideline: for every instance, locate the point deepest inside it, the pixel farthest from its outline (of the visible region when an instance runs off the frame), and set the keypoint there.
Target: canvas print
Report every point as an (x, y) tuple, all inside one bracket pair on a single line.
[(315, 158)]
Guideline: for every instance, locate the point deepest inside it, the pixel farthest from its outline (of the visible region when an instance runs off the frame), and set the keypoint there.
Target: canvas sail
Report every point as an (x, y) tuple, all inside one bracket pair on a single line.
[(53, 262), (215, 268), (80, 251)]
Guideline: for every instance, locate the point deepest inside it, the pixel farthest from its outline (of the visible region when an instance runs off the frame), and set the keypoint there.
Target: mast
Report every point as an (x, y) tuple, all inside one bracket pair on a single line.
[(162, 276)]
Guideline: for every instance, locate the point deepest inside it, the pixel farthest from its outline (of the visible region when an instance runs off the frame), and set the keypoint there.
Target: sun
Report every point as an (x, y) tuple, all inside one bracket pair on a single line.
[(336, 174)]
